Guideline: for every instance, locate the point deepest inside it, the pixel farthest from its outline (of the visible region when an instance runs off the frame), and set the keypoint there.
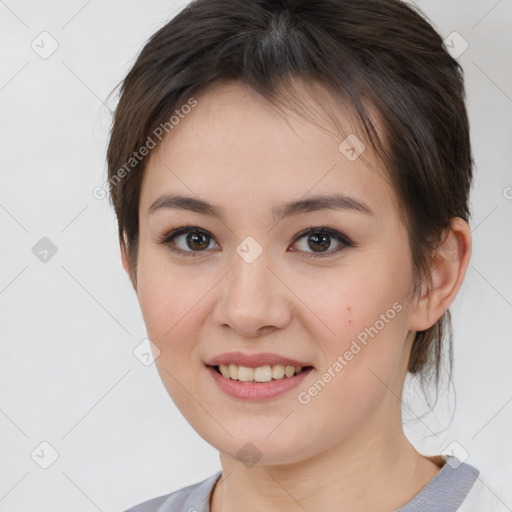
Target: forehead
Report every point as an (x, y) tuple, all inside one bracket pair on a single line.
[(234, 145)]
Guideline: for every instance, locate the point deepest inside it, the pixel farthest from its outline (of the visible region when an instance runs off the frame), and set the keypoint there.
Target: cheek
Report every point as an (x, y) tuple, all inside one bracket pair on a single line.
[(355, 302), (158, 288), (166, 300), (360, 361), (361, 328), (171, 309)]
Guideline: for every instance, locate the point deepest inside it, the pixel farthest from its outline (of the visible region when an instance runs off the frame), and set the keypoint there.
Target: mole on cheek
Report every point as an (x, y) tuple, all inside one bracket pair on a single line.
[(348, 311)]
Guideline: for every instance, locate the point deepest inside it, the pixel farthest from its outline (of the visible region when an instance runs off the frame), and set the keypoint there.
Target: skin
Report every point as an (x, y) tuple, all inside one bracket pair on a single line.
[(345, 450)]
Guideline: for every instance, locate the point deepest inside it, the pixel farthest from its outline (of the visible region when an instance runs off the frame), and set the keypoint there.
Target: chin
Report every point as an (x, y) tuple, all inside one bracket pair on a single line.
[(259, 451)]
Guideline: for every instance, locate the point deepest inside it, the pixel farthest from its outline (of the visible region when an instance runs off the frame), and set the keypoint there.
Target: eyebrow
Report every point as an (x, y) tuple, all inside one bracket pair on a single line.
[(314, 203)]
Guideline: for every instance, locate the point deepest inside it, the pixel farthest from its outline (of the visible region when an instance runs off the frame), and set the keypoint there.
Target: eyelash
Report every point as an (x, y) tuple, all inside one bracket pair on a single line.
[(345, 242)]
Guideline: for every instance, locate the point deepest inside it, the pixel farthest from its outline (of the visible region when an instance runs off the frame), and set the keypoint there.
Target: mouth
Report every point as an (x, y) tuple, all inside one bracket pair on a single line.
[(257, 384), (257, 376), (260, 374)]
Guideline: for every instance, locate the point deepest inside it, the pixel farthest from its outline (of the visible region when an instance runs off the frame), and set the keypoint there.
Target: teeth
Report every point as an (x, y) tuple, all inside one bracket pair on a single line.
[(260, 374), (245, 374), (278, 371), (263, 374), (289, 371), (232, 371), (224, 370)]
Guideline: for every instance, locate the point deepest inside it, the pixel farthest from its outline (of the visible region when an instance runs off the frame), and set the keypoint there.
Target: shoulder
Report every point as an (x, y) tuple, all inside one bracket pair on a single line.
[(193, 498), (456, 488), (447, 491)]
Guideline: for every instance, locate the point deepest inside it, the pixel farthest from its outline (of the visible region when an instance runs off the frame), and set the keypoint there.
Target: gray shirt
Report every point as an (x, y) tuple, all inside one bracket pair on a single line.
[(446, 492)]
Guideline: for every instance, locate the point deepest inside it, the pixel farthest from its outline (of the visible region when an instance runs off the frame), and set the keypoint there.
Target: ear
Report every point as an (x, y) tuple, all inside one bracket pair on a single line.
[(447, 273), (127, 265)]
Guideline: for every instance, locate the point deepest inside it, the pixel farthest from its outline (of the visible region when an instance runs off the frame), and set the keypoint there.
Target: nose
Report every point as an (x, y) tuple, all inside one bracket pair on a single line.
[(254, 301)]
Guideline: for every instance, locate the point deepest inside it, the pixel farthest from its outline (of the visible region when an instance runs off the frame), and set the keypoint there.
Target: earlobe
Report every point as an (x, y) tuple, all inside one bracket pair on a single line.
[(448, 269)]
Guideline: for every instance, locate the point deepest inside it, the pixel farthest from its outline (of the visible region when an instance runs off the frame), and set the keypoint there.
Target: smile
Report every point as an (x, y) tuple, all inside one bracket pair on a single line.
[(251, 389), (260, 374)]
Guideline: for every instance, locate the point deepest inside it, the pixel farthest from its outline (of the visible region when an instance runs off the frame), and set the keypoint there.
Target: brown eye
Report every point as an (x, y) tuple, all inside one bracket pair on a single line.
[(197, 241), (318, 241), (187, 240)]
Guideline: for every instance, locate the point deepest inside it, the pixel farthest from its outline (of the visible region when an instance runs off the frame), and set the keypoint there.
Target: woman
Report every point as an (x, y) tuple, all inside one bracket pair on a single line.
[(291, 183)]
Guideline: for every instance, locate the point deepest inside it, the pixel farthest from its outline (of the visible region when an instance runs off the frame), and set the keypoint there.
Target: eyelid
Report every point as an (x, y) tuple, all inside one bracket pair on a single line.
[(328, 231), (169, 236), (345, 241), (342, 239)]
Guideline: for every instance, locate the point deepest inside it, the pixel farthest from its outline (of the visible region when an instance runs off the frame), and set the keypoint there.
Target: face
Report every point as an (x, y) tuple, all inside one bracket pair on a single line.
[(325, 285)]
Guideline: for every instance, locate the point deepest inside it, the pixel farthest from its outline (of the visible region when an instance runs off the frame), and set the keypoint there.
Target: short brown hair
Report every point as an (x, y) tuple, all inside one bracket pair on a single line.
[(379, 54)]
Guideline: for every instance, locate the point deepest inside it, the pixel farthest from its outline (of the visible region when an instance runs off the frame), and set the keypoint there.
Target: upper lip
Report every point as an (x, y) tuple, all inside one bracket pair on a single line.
[(254, 360)]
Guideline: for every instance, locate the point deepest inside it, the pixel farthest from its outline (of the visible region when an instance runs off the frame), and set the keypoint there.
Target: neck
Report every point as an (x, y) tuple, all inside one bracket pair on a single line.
[(376, 469)]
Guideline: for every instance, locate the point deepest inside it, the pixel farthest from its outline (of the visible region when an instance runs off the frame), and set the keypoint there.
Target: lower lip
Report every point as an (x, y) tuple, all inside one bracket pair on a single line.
[(257, 390)]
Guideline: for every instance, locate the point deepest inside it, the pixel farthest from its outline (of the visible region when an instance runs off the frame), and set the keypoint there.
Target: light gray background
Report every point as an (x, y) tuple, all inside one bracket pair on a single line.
[(68, 375)]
